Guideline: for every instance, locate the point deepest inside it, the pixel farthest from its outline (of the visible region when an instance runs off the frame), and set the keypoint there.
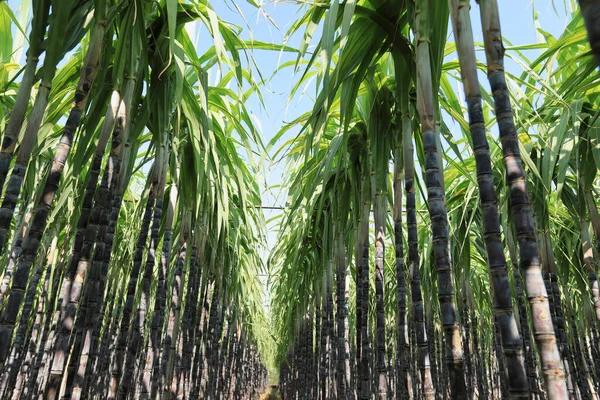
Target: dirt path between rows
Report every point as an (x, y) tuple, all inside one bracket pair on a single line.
[(271, 393)]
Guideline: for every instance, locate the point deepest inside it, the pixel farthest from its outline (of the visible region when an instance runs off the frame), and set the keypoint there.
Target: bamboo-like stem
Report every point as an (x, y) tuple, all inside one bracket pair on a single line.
[(339, 254), (423, 357), (136, 331), (438, 214), (152, 355), (500, 286), (87, 227), (119, 359), (16, 250), (402, 344), (521, 213), (364, 369)]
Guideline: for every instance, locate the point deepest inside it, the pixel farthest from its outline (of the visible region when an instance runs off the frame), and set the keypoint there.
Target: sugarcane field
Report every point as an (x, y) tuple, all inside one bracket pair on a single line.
[(300, 199)]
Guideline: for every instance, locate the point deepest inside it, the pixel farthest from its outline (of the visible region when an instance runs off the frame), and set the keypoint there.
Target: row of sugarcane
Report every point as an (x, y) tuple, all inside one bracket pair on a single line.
[(528, 333), (128, 224), (310, 369)]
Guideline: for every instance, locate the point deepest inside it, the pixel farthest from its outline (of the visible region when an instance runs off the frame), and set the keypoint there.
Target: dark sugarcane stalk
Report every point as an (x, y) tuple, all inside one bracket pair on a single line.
[(484, 378), (444, 379), (413, 351), (74, 350), (199, 357), (198, 340), (500, 288), (579, 367), (555, 303), (232, 366), (303, 373), (52, 316), (523, 320), (573, 349), (560, 328), (90, 214), (423, 355), (343, 349), (404, 165), (596, 353), (502, 376), (402, 345), (99, 318), (87, 228), (225, 346), (22, 335), (32, 360), (136, 331), (313, 351), (16, 249), (178, 370), (208, 298), (136, 334), (331, 332), (521, 213), (364, 369), (228, 355), (479, 392), (117, 178), (113, 175), (109, 340), (119, 358), (194, 306), (464, 316), (87, 339), (380, 217), (40, 217), (333, 338), (590, 354), (433, 171), (189, 316), (209, 339), (316, 389), (324, 368), (185, 360), (98, 271), (358, 307), (589, 372), (217, 314), (17, 355), (431, 342)]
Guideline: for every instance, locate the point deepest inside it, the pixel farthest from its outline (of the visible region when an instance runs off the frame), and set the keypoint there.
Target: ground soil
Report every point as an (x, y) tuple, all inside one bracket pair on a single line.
[(271, 393)]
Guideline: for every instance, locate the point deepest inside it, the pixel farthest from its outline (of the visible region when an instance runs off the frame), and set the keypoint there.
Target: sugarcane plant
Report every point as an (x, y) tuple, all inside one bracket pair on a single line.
[(473, 202), (146, 136)]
